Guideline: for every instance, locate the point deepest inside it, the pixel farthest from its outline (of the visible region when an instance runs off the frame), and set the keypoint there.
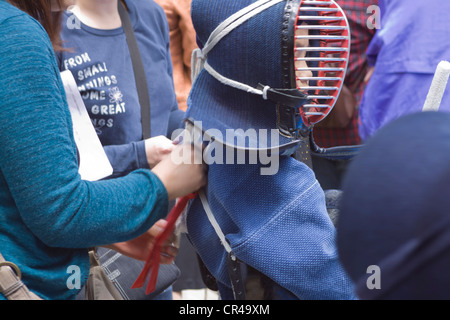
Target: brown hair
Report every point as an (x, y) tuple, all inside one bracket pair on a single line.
[(41, 11)]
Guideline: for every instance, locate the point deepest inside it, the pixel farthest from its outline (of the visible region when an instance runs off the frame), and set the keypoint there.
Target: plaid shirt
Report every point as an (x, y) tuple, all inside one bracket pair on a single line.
[(361, 36)]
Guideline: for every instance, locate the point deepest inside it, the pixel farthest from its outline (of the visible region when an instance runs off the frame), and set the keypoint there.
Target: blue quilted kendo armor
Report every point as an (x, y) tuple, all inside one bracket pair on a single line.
[(250, 107)]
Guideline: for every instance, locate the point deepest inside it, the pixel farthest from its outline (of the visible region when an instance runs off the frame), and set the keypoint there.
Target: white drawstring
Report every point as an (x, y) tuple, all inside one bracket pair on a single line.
[(264, 92), (197, 63), (235, 84), (213, 220)]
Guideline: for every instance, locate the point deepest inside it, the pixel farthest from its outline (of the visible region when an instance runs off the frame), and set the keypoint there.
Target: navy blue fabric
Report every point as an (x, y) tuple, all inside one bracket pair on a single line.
[(278, 224), (249, 54), (394, 210)]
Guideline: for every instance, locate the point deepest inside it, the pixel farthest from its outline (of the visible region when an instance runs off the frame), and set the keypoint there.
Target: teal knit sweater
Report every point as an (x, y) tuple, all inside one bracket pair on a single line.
[(48, 215)]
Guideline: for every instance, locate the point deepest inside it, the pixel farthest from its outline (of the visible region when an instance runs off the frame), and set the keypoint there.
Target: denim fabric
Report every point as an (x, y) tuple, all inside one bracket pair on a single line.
[(165, 295), (278, 224), (124, 271)]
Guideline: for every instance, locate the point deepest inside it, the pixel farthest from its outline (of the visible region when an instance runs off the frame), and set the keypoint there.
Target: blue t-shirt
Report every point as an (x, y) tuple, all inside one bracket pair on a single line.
[(48, 215), (413, 39), (101, 64)]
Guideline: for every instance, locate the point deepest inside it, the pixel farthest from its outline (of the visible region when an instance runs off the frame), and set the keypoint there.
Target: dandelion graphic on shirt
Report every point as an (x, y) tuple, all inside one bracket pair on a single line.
[(115, 96)]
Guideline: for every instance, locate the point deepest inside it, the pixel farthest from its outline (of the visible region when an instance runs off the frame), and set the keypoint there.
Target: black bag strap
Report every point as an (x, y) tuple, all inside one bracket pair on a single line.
[(138, 69)]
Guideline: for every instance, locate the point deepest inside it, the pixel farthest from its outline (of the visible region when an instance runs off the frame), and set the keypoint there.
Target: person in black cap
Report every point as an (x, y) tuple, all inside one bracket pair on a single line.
[(393, 231)]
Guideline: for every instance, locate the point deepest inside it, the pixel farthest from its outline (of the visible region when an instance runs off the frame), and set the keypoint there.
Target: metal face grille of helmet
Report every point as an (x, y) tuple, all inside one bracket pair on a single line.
[(321, 52)]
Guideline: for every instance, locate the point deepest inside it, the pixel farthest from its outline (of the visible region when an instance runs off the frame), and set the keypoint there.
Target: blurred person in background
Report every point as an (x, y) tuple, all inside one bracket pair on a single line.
[(404, 54), (340, 128), (182, 43)]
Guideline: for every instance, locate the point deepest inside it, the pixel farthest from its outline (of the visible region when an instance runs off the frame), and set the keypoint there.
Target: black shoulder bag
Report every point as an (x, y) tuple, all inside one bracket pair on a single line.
[(138, 69)]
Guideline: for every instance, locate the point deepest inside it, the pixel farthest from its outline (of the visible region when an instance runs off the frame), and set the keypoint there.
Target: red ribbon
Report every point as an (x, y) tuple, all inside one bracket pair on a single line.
[(154, 257)]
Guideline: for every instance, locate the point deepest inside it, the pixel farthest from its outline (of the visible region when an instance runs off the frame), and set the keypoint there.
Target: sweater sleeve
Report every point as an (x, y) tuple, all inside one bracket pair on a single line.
[(38, 155), (126, 158)]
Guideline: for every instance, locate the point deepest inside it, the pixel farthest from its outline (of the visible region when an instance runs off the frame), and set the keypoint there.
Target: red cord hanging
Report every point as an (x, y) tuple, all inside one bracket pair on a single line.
[(154, 257)]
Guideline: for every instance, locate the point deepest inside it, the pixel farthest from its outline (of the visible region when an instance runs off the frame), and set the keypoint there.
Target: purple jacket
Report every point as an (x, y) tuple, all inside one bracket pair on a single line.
[(406, 50)]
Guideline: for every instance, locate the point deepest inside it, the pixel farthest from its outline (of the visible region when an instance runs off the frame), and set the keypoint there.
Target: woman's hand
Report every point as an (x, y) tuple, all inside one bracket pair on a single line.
[(157, 148), (179, 173), (140, 247)]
